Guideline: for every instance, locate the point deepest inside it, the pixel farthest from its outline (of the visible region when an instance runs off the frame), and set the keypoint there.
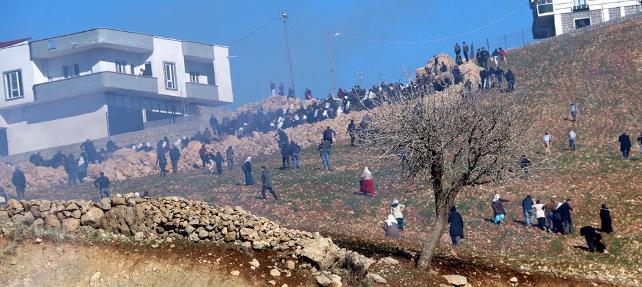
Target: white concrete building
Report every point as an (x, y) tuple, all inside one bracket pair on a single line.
[(555, 17), (102, 82)]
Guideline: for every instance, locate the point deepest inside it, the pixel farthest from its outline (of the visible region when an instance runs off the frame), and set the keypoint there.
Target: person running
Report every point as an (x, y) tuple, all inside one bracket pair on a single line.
[(102, 183), (572, 140), (247, 171), (396, 209), (625, 145), (527, 207), (266, 182), (547, 142), (499, 213), (538, 207), (456, 226), (605, 219)]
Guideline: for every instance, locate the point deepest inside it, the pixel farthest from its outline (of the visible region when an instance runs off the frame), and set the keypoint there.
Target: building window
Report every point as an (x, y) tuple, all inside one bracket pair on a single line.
[(121, 67), (70, 71), (580, 5), (13, 84), (170, 75), (51, 44), (193, 77), (544, 6), (581, 23)]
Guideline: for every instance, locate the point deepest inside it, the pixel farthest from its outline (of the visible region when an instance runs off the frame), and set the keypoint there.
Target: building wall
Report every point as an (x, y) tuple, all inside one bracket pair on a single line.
[(57, 123), (630, 10), (90, 61), (206, 71), (16, 58), (222, 71), (166, 50), (614, 13), (568, 19)]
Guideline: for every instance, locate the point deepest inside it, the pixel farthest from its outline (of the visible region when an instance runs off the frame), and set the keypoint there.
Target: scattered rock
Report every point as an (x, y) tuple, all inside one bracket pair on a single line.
[(290, 265), (255, 263), (456, 280), (358, 263), (376, 278), (272, 282), (235, 273), (329, 280), (275, 273), (388, 261)]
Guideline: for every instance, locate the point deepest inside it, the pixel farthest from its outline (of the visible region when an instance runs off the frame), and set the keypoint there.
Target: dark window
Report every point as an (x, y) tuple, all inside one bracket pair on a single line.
[(581, 23)]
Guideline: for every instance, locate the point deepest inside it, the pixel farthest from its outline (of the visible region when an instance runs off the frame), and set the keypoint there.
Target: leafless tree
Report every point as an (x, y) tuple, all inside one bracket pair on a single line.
[(448, 142)]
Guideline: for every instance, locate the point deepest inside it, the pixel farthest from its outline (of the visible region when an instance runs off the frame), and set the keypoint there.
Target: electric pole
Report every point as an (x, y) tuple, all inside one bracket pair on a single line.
[(284, 18)]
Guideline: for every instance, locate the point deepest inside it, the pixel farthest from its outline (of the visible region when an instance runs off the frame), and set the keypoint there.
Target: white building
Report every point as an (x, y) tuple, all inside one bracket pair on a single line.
[(102, 82), (555, 17)]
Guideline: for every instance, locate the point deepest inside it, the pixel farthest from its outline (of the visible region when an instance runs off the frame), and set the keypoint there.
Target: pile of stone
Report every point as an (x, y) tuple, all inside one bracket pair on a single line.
[(273, 103), (166, 219)]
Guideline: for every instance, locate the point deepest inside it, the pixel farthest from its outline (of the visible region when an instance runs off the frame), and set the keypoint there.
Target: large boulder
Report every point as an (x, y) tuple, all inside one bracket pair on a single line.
[(358, 263), (329, 280), (320, 251), (93, 217), (52, 222), (70, 224), (456, 280)]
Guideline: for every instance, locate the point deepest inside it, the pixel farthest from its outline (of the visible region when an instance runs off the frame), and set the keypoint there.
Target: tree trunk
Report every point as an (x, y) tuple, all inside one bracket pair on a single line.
[(428, 251)]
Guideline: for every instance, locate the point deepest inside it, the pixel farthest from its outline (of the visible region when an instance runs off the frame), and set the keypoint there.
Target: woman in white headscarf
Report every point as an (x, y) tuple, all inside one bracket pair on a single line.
[(247, 170), (498, 209), (391, 228), (367, 183)]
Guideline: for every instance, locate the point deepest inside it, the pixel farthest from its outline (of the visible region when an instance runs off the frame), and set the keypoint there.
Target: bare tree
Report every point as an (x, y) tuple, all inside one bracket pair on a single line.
[(448, 142)]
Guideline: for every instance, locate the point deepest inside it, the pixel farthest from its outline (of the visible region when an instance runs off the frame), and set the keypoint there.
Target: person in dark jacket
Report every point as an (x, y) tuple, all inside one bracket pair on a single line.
[(202, 153), (328, 133), (285, 156), (161, 160), (324, 151), (218, 160), (71, 169), (174, 156), (524, 163), (20, 182), (593, 239), (295, 153), (247, 171), (352, 131), (565, 216), (605, 219), (456, 226), (266, 182), (102, 183), (527, 207), (625, 145), (229, 156), (498, 209)]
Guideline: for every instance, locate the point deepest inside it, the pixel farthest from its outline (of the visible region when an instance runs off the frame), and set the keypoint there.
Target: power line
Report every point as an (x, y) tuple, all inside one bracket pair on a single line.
[(495, 21), (254, 31)]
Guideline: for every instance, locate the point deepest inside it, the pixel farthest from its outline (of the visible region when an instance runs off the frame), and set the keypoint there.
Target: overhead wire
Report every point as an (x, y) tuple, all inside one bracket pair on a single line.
[(247, 35), (396, 42)]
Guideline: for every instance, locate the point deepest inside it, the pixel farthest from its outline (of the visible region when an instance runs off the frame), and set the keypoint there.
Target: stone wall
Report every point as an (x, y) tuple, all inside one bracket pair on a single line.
[(614, 13), (568, 19), (167, 219), (630, 10)]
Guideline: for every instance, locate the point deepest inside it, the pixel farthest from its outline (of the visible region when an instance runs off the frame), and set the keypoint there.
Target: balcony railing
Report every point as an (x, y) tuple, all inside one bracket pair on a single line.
[(580, 7), (93, 83), (202, 93)]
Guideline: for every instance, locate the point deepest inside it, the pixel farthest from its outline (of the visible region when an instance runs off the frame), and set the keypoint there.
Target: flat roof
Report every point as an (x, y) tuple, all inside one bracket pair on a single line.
[(125, 31)]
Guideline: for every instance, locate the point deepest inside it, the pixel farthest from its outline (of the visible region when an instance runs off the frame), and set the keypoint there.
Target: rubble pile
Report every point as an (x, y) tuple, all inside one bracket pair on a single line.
[(164, 220), (273, 103)]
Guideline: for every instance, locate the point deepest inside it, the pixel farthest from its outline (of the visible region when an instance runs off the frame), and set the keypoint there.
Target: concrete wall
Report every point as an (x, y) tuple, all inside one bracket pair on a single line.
[(16, 58), (166, 50), (222, 73), (57, 123)]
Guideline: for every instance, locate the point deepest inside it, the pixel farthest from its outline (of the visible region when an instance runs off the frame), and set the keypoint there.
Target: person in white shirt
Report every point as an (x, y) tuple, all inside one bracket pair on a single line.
[(397, 210), (538, 207), (547, 142), (572, 140)]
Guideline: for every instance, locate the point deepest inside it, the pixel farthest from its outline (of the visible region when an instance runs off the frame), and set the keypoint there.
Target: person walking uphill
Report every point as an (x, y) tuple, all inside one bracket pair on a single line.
[(605, 219), (396, 209), (625, 145), (324, 151), (266, 182), (527, 207), (499, 213), (367, 183), (247, 171), (102, 183), (456, 226), (19, 182)]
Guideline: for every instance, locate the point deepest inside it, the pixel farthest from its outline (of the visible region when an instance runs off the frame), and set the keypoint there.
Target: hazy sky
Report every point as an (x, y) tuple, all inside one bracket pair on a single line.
[(377, 38)]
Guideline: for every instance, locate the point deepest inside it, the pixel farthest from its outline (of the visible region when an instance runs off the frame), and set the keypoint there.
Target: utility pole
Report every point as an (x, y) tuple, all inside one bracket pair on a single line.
[(333, 68), (284, 18), (505, 42), (487, 45), (523, 39)]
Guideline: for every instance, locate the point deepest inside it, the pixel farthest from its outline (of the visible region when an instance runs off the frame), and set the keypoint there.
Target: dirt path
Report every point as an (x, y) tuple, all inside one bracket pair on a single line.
[(73, 264)]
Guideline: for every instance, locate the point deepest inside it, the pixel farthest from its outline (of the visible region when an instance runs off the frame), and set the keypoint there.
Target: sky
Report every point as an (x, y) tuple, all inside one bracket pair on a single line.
[(375, 40)]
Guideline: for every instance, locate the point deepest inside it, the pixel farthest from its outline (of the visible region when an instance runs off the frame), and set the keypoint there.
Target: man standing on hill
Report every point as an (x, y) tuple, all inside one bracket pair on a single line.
[(229, 156), (102, 183), (324, 152), (18, 180), (572, 140), (625, 145), (266, 182), (527, 207), (327, 134), (573, 110), (466, 51), (565, 213), (285, 156), (295, 152), (457, 50), (352, 131), (510, 78), (174, 156)]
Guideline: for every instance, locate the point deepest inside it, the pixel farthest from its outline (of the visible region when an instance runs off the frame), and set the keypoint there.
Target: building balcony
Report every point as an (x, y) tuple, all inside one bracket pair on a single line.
[(198, 52), (95, 83), (202, 94), (578, 8), (92, 39)]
